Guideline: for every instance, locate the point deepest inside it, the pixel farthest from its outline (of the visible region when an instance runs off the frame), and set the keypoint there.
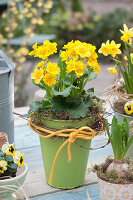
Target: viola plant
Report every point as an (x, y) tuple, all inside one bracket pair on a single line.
[(125, 67), (65, 82), (10, 160)]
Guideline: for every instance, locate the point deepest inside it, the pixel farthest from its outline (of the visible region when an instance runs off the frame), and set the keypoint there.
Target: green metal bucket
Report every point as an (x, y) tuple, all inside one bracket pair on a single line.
[(6, 96), (66, 174), (120, 117)]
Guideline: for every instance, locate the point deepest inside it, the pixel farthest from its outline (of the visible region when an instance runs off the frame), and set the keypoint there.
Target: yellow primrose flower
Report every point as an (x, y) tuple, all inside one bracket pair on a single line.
[(96, 68), (52, 68), (127, 34), (128, 107), (72, 54), (64, 55), (18, 158), (71, 66), (8, 148), (92, 59), (40, 64), (82, 51), (79, 68), (131, 57), (69, 45), (3, 166), (37, 75), (113, 70), (35, 47), (49, 79)]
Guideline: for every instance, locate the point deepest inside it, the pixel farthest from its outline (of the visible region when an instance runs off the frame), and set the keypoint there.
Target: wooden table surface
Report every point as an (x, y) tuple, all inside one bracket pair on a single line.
[(35, 185)]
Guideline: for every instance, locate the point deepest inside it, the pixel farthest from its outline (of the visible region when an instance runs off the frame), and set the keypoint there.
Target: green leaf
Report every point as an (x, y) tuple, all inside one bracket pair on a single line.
[(2, 158), (75, 91), (90, 90), (1, 153), (58, 104), (13, 166), (88, 101), (9, 158), (92, 76), (34, 106), (78, 111), (116, 60), (64, 93), (75, 107)]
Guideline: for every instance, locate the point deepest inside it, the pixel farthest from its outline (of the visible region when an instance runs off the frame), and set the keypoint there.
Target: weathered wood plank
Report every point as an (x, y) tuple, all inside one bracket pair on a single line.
[(74, 194)]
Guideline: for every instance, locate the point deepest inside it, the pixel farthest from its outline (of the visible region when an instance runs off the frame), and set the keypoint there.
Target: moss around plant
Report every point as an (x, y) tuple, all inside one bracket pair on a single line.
[(95, 108), (112, 175)]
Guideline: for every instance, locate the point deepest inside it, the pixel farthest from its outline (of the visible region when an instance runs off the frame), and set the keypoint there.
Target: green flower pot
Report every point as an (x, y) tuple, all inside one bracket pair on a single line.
[(9, 186), (66, 174), (129, 118)]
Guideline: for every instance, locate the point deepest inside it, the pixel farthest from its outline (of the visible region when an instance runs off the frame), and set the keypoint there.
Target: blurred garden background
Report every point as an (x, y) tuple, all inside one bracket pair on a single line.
[(24, 22)]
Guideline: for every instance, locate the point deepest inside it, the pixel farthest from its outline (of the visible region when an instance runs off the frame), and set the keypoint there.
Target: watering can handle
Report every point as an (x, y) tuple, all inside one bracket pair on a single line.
[(8, 62)]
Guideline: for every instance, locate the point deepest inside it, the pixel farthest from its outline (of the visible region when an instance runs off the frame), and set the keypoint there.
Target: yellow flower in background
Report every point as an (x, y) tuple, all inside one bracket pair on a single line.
[(110, 48), (112, 70), (64, 55), (49, 79), (34, 21), (128, 107), (8, 148), (131, 57), (127, 34), (96, 68), (3, 166), (22, 59), (71, 66), (37, 75), (40, 21), (52, 68), (19, 158)]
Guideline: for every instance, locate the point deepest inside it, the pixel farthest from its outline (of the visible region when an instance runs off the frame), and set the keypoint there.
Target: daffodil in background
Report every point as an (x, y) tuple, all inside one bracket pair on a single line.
[(112, 70), (113, 49), (127, 34)]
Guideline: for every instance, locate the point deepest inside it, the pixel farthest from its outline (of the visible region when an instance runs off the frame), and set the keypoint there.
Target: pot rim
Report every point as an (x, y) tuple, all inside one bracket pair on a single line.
[(16, 177), (113, 182), (128, 116)]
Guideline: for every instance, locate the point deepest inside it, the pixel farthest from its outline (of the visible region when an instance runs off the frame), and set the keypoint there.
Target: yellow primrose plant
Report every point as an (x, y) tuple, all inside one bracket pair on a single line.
[(126, 68), (10, 160), (65, 81)]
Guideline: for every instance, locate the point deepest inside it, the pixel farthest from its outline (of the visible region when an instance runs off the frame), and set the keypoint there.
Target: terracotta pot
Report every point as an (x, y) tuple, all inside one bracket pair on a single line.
[(3, 138), (116, 191)]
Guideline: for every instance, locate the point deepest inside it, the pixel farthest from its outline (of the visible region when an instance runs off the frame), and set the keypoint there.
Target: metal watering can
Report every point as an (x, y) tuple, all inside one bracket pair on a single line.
[(6, 96)]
